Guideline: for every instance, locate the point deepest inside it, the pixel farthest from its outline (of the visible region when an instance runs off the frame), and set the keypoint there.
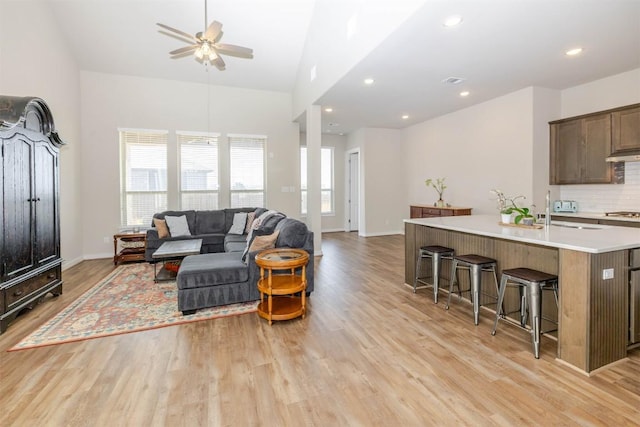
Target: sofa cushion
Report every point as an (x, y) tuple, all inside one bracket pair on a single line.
[(177, 225), (161, 227), (250, 217), (235, 242), (239, 223), (208, 222), (293, 233), (229, 214), (191, 217), (261, 243), (206, 270)]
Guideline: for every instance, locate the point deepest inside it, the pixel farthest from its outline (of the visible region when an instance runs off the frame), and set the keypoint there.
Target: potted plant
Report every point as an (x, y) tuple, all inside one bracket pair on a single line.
[(524, 216), (506, 205), (438, 185)]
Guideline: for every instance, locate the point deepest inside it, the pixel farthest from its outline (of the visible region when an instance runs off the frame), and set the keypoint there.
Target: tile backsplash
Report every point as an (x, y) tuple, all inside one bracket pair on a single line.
[(607, 197)]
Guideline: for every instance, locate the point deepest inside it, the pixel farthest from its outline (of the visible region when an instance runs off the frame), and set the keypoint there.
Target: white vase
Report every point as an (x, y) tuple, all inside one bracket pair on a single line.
[(505, 218)]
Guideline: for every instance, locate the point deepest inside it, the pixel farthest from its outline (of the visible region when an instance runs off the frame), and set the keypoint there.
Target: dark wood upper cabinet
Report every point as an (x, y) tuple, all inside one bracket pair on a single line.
[(626, 129), (579, 146)]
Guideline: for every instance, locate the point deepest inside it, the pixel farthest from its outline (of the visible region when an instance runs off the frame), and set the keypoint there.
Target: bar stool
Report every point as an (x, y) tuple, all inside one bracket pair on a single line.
[(476, 265), (437, 254), (531, 302)]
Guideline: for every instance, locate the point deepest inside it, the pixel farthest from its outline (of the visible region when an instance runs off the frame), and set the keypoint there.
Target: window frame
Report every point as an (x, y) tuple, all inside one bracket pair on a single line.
[(124, 166)]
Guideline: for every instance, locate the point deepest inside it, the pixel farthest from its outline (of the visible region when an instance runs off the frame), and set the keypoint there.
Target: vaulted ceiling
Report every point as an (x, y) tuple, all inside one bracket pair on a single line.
[(500, 46)]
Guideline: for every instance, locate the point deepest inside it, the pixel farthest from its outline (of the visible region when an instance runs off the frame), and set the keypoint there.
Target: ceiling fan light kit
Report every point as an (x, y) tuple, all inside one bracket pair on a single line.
[(204, 45)]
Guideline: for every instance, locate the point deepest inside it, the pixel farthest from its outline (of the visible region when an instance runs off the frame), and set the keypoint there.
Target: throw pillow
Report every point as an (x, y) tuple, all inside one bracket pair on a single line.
[(250, 217), (260, 243), (239, 223), (178, 225), (161, 226)]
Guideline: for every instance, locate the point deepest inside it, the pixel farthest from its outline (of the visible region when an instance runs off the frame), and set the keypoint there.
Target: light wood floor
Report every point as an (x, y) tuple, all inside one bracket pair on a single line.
[(370, 352)]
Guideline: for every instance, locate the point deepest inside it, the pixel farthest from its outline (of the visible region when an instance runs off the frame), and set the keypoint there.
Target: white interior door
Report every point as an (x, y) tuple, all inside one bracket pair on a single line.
[(354, 191)]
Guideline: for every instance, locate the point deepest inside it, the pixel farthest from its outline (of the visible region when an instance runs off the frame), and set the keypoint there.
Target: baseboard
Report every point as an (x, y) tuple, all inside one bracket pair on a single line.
[(333, 230), (98, 256), (68, 264), (383, 233)]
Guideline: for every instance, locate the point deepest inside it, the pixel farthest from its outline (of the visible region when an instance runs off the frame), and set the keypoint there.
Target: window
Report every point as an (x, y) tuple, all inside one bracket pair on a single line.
[(199, 177), (326, 179), (143, 175), (246, 170)]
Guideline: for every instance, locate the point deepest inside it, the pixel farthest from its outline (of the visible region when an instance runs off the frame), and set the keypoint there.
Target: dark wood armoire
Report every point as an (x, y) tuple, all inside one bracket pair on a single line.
[(30, 262)]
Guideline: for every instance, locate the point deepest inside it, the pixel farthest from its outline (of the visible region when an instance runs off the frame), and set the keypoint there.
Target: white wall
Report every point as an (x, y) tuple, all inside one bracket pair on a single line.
[(382, 203), (611, 92), (486, 146), (332, 52), (110, 102), (35, 61)]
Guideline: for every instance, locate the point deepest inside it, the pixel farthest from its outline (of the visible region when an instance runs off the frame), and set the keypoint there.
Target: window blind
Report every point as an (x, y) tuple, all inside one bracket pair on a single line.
[(144, 175), (246, 170)]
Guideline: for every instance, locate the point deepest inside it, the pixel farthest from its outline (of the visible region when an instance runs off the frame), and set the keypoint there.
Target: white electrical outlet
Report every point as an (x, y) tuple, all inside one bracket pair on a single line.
[(607, 273)]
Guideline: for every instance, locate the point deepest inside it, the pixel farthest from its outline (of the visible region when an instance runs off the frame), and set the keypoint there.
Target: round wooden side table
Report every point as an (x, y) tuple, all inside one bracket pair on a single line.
[(280, 283)]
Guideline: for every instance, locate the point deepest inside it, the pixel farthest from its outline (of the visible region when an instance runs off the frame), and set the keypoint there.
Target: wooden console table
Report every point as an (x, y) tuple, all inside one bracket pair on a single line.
[(425, 211), (280, 288)]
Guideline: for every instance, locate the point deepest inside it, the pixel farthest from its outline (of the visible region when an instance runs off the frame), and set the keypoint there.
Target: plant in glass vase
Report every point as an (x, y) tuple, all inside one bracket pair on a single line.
[(438, 185)]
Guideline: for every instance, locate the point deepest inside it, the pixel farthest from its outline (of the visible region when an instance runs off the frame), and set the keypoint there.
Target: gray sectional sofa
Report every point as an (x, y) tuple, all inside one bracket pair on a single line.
[(220, 275)]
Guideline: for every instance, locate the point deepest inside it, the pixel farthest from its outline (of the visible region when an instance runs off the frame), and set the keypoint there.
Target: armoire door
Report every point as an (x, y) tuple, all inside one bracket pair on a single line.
[(17, 227), (46, 245)]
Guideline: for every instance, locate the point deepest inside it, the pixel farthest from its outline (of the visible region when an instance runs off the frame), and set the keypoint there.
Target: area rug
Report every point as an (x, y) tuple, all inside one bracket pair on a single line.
[(127, 300)]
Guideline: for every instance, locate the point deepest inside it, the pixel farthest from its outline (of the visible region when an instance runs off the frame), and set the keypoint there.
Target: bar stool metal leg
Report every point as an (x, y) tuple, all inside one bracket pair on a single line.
[(415, 278), (476, 279), (535, 307)]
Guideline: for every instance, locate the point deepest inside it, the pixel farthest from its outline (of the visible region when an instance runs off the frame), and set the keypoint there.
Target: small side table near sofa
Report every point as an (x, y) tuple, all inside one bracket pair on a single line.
[(128, 247), (281, 284)]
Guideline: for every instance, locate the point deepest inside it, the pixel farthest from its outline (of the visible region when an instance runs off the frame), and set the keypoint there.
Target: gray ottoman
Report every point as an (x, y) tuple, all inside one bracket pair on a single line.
[(211, 280)]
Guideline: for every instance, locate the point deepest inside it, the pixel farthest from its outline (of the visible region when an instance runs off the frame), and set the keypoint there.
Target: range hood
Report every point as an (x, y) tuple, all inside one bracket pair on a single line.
[(624, 156)]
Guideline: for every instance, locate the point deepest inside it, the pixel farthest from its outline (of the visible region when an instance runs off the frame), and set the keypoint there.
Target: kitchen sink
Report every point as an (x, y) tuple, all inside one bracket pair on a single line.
[(579, 226)]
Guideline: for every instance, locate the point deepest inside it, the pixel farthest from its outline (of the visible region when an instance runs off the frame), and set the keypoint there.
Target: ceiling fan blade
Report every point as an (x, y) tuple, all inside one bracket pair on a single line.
[(219, 63), (214, 31), (182, 33), (186, 49), (233, 50)]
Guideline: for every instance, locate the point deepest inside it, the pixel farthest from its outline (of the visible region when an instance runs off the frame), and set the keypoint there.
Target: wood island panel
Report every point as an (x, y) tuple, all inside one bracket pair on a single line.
[(592, 316)]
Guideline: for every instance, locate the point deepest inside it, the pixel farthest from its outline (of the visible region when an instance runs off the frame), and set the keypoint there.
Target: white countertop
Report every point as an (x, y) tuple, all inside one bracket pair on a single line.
[(592, 238)]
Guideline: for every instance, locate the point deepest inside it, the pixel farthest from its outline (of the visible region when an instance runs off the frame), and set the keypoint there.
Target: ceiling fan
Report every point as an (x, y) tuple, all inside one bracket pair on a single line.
[(205, 45)]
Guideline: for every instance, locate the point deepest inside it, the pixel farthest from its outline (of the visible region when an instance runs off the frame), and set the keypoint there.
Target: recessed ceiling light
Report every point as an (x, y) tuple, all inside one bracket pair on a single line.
[(464, 93), (405, 116), (574, 51), (452, 21), (368, 81), (328, 109)]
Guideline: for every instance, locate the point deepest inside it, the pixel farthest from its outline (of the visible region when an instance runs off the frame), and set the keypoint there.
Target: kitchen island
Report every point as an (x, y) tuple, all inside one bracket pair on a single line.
[(593, 313)]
